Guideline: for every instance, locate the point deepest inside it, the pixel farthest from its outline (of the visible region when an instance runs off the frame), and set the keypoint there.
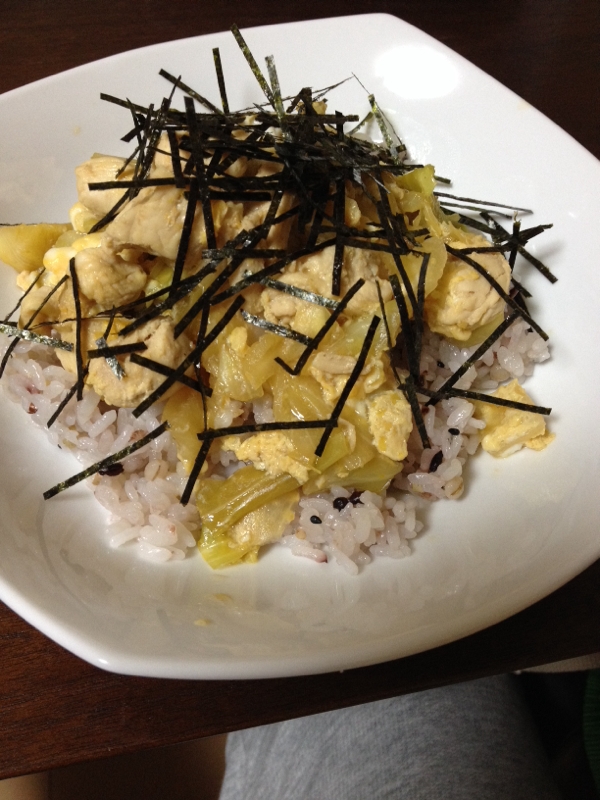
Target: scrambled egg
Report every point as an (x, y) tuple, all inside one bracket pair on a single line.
[(509, 429), (464, 300), (271, 451), (390, 423)]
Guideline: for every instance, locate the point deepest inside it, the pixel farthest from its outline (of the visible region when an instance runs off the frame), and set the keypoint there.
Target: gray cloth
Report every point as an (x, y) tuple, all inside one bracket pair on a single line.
[(471, 741)]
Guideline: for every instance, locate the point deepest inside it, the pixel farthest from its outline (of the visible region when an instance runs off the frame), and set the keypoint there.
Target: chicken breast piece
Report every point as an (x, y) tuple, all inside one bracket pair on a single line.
[(315, 273), (153, 222), (97, 170), (138, 381), (108, 280)]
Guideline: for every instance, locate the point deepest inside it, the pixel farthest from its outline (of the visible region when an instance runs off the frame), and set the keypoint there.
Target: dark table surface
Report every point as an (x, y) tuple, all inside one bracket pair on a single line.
[(56, 709)]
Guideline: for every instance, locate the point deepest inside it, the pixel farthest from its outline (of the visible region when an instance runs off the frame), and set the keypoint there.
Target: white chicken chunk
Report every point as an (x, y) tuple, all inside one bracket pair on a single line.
[(97, 170), (138, 382), (315, 273), (464, 300), (107, 279), (153, 222)]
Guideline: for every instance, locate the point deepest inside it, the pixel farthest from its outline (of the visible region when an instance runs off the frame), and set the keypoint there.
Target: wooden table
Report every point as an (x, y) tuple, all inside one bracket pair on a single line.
[(54, 708)]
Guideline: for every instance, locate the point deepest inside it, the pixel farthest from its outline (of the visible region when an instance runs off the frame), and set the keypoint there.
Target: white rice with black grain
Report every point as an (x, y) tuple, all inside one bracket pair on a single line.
[(143, 500)]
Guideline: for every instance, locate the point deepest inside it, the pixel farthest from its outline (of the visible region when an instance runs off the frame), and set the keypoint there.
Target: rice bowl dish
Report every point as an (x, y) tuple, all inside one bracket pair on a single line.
[(400, 332)]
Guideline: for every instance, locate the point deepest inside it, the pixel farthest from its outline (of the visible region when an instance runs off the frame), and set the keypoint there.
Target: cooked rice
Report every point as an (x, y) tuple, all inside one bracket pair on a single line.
[(143, 499)]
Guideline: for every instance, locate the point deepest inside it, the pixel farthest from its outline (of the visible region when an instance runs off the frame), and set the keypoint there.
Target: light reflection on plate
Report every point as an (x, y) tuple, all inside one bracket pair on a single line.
[(525, 526)]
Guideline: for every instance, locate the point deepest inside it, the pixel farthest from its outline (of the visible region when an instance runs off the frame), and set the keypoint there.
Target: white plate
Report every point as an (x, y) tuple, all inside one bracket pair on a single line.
[(525, 525)]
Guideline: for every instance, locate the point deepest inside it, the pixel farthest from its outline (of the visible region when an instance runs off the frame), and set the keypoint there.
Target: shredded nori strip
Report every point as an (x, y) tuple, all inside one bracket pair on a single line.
[(479, 353), (78, 341), (190, 359), (407, 386), (314, 160), (161, 369), (261, 427), (494, 283), (59, 409), (186, 233), (384, 127), (106, 462), (443, 392), (195, 472), (252, 64), (280, 330), (301, 294), (483, 202), (338, 258), (22, 333), (106, 351), (419, 311), (25, 293), (276, 91), (13, 344), (407, 330), (354, 376), (221, 79), (517, 240), (272, 269), (316, 341), (179, 84)]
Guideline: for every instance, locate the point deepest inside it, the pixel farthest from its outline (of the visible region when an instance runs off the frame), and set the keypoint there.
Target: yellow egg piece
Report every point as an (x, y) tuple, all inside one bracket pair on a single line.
[(507, 429)]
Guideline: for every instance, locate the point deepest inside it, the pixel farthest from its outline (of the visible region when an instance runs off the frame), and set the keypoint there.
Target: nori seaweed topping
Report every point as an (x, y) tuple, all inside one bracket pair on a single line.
[(106, 351), (518, 239), (252, 64), (111, 360), (482, 202), (195, 472), (443, 392), (301, 294), (408, 334), (179, 84), (315, 160), (494, 283), (221, 79), (59, 409), (387, 131), (316, 341), (161, 369), (407, 386), (479, 353), (25, 293), (280, 330), (106, 462), (9, 329), (261, 427), (78, 341), (15, 341), (190, 359), (354, 376)]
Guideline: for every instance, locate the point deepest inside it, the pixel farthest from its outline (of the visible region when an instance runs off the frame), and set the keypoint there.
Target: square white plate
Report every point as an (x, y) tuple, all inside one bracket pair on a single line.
[(525, 525)]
